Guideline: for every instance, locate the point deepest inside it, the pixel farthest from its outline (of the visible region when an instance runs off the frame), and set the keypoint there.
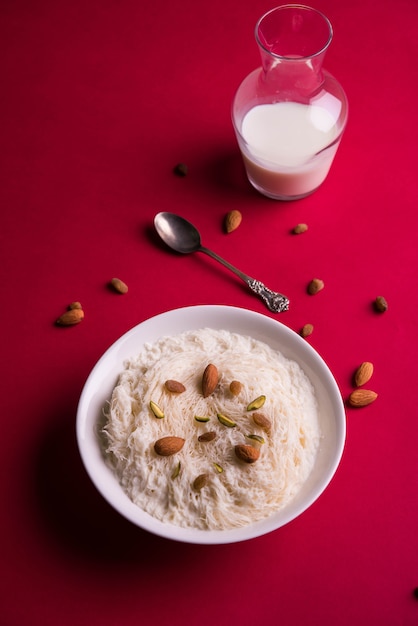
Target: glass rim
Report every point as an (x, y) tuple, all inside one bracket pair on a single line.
[(294, 6)]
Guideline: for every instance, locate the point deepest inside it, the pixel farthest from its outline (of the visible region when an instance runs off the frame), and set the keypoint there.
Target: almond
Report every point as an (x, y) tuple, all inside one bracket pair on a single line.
[(361, 397), (210, 435), (210, 379), (248, 454), (232, 220), (300, 228), (380, 304), (173, 386), (235, 387), (75, 305), (315, 285), (262, 421), (363, 374), (306, 330), (118, 285), (70, 318), (200, 482), (166, 446)]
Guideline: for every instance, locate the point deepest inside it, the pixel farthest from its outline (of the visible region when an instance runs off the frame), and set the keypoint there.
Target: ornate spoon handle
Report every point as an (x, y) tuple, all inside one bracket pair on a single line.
[(276, 302)]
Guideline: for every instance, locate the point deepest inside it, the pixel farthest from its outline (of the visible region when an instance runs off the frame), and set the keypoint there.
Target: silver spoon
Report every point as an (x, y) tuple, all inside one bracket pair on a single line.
[(182, 236)]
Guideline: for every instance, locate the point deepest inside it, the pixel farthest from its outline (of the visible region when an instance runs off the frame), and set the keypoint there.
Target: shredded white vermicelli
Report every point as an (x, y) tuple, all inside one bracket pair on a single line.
[(242, 493)]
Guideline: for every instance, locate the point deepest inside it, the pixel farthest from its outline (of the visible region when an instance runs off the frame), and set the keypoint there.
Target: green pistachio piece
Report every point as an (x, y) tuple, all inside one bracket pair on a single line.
[(257, 403), (256, 438), (201, 418), (176, 471), (226, 421), (218, 468), (156, 410)]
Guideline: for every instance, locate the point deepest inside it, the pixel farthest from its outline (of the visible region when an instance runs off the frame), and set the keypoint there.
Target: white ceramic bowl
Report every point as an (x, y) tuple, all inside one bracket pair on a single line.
[(100, 384)]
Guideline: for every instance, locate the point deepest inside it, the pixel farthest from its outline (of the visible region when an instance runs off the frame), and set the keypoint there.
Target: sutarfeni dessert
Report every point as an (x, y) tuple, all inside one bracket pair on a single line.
[(210, 429)]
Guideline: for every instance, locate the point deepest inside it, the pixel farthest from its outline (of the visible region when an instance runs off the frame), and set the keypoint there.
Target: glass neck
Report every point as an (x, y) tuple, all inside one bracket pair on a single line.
[(297, 76)]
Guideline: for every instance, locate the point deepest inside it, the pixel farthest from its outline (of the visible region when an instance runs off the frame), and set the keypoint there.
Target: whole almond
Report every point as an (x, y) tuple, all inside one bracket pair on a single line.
[(306, 330), (200, 482), (315, 286), (235, 387), (363, 374), (248, 454), (210, 435), (210, 380), (361, 397), (166, 446), (118, 285), (380, 304), (262, 421), (232, 220), (70, 318), (300, 228), (173, 386)]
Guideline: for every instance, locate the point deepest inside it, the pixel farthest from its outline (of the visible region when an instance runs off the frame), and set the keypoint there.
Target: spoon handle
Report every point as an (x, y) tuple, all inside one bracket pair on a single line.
[(276, 302)]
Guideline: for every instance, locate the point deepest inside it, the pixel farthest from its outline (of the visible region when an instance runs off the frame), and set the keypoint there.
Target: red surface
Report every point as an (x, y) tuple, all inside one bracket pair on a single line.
[(99, 101)]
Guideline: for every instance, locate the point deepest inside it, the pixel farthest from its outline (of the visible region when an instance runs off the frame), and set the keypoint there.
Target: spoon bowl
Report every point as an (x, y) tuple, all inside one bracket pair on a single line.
[(177, 233)]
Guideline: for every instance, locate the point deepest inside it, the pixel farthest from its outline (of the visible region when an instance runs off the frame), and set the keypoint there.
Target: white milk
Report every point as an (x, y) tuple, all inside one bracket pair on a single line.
[(284, 141)]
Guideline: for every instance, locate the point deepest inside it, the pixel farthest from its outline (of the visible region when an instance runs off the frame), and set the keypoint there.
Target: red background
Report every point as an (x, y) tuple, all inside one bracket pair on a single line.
[(99, 100)]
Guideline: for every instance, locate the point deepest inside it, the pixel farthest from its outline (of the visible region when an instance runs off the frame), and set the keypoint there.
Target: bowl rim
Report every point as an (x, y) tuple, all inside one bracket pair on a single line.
[(175, 321)]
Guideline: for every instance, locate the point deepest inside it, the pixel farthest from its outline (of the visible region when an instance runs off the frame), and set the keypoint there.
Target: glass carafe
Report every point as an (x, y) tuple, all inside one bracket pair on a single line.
[(289, 114)]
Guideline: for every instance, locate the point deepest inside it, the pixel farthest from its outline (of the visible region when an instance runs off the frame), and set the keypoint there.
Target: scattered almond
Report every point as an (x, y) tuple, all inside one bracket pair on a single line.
[(75, 305), (235, 387), (307, 330), (173, 386), (70, 318), (262, 421), (210, 380), (200, 482), (208, 436), (300, 228), (232, 220), (166, 446), (118, 285), (380, 304), (363, 374), (315, 285), (361, 397), (248, 454)]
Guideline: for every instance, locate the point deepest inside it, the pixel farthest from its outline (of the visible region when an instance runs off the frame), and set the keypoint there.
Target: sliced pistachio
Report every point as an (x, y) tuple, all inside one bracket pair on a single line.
[(156, 410), (218, 468), (176, 471), (257, 403), (256, 438), (226, 421), (201, 418)]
